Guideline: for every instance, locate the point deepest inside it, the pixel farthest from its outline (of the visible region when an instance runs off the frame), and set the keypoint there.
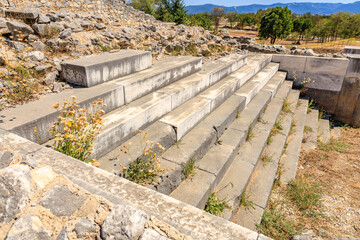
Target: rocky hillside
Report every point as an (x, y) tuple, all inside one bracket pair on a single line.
[(36, 36)]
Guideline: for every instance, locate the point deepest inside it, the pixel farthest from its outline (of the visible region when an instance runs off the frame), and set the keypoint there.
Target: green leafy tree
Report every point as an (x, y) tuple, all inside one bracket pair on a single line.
[(277, 23), (302, 25), (147, 6), (232, 17), (178, 11), (201, 20), (217, 14)]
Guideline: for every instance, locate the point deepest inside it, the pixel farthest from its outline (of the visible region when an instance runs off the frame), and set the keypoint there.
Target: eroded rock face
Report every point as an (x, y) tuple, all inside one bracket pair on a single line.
[(84, 226), (15, 186), (6, 158), (124, 222), (28, 227), (150, 234)]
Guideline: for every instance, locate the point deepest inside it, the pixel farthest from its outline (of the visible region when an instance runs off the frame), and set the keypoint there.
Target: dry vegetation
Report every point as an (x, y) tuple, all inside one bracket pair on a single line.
[(333, 173), (318, 47)]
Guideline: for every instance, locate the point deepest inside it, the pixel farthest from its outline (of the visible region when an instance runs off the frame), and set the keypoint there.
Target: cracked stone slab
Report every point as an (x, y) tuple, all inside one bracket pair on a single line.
[(84, 226), (15, 188), (61, 201), (28, 227)]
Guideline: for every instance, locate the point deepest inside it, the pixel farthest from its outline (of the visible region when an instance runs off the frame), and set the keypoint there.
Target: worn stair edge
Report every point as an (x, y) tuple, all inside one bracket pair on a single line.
[(290, 158), (261, 182), (164, 134), (153, 79), (238, 174), (120, 123), (40, 113), (183, 217), (324, 131), (216, 162), (186, 116), (311, 130), (198, 141), (96, 69)]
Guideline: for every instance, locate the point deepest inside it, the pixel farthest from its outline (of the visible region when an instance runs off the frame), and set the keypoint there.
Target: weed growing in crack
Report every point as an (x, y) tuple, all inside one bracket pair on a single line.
[(286, 108), (266, 158), (145, 169), (250, 133), (215, 205), (307, 129), (244, 200), (190, 168)]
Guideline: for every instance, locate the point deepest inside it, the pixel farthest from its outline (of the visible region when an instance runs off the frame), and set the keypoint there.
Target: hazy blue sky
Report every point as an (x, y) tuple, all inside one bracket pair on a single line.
[(245, 2)]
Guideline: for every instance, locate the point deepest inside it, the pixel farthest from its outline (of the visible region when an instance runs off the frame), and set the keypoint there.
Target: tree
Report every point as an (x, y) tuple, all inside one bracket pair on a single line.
[(277, 23), (171, 11), (147, 6), (302, 25), (217, 14), (232, 17), (178, 11)]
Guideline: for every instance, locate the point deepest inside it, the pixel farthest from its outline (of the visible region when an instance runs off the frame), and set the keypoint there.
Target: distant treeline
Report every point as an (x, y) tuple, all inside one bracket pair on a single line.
[(323, 28)]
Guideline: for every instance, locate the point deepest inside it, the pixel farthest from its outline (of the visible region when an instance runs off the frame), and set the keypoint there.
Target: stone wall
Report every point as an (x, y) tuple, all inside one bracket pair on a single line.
[(323, 77), (68, 199), (334, 83)]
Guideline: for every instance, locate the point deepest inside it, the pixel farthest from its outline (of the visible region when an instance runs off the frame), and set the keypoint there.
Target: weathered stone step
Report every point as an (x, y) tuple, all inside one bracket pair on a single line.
[(311, 129), (96, 69), (185, 117), (324, 131), (120, 124), (40, 114), (160, 75), (239, 172), (214, 164), (252, 87), (197, 141), (261, 182), (290, 158)]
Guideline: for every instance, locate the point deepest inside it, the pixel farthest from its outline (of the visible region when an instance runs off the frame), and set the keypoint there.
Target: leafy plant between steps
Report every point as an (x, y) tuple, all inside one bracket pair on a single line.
[(75, 130), (250, 133), (215, 205), (146, 168), (244, 200), (190, 168)]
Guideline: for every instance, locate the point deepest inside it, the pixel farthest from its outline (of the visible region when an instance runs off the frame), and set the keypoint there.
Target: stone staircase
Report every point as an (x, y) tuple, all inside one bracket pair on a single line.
[(232, 117)]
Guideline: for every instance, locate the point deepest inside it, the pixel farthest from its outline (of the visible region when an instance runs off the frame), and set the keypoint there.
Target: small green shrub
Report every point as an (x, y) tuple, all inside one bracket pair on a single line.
[(307, 129), (216, 206), (244, 200), (250, 133)]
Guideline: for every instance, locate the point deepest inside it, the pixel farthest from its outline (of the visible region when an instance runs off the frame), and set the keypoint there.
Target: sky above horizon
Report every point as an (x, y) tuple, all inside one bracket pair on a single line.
[(230, 3)]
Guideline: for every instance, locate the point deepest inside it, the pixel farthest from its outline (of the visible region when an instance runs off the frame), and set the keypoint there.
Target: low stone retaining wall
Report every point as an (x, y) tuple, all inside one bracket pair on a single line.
[(65, 198), (334, 83)]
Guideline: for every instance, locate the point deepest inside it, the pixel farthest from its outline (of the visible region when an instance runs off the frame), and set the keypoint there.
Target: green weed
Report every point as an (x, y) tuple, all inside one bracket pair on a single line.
[(216, 206), (190, 168)]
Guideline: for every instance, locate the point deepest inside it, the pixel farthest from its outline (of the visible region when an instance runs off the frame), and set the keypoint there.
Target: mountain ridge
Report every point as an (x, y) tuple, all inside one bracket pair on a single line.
[(295, 7)]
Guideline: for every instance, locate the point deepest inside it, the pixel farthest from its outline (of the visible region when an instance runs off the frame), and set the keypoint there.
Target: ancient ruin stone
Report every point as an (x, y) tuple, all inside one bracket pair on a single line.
[(124, 222), (28, 227), (84, 226), (15, 187), (22, 13), (19, 29), (6, 158), (30, 161), (61, 201), (150, 234)]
